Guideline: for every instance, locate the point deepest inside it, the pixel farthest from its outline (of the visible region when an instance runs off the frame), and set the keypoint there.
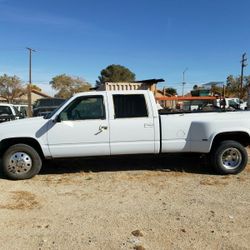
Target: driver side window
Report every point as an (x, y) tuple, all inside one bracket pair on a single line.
[(84, 108)]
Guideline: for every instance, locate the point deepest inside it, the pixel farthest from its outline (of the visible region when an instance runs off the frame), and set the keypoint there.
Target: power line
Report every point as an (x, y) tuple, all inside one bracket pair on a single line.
[(11, 49)]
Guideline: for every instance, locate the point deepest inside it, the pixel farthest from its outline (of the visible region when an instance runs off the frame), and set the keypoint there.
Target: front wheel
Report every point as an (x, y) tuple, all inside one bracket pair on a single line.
[(229, 157), (21, 162)]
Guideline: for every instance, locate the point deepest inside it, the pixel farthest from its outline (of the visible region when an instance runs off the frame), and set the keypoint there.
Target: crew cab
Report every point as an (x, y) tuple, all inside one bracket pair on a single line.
[(122, 123)]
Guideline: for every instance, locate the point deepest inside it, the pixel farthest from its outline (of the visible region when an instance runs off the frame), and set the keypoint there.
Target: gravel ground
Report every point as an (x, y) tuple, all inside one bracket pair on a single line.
[(164, 203)]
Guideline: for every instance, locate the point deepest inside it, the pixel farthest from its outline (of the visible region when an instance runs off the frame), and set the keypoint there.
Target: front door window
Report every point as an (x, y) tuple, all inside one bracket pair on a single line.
[(84, 108)]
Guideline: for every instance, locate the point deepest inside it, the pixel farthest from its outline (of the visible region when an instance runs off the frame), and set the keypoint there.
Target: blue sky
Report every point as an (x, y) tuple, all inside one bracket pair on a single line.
[(153, 38)]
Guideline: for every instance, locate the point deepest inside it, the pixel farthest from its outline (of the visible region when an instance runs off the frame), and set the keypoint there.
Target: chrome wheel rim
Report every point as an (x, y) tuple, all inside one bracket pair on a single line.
[(19, 163), (231, 158)]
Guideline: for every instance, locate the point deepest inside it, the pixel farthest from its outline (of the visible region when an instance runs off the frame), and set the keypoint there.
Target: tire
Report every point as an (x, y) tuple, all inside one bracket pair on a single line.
[(21, 162), (229, 157)]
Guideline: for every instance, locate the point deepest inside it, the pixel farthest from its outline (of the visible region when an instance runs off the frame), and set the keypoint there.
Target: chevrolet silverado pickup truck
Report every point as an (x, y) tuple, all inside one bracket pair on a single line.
[(122, 123)]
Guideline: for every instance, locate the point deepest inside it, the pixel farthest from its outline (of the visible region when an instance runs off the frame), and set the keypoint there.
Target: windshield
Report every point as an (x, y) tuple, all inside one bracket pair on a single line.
[(48, 116)]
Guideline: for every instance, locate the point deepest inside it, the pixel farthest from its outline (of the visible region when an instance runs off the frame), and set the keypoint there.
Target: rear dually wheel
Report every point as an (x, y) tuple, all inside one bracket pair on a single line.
[(229, 157)]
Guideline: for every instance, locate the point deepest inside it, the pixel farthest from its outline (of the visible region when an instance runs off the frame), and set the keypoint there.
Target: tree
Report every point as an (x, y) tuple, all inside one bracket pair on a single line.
[(68, 85), (170, 91), (216, 90), (35, 87), (233, 86), (115, 73), (10, 87)]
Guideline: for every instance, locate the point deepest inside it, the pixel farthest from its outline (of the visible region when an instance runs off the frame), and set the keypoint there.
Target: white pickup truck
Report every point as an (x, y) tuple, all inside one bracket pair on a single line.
[(122, 123)]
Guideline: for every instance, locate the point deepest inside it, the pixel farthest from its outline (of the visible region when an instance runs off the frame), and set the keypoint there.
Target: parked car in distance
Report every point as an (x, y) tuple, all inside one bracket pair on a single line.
[(9, 112), (243, 105), (44, 106), (232, 102), (22, 108)]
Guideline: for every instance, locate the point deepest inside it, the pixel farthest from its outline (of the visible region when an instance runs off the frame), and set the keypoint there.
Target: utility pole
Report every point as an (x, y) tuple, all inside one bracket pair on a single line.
[(30, 81), (183, 80), (243, 65), (223, 91)]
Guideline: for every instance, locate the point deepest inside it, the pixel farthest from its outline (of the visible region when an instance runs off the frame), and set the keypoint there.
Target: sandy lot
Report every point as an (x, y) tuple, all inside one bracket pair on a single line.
[(166, 203)]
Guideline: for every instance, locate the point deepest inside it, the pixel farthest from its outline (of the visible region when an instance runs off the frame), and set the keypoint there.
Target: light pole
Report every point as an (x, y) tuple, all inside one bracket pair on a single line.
[(30, 81), (183, 80)]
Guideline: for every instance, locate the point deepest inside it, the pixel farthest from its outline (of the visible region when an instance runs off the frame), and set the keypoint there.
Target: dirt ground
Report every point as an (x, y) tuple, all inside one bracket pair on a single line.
[(164, 203)]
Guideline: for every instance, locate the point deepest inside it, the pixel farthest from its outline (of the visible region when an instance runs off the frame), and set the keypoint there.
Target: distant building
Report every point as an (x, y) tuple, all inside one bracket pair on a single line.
[(109, 86), (149, 84), (214, 83), (35, 94), (200, 92)]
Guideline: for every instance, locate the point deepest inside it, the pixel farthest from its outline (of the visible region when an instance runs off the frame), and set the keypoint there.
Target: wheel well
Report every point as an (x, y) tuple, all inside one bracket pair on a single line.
[(6, 143), (241, 137)]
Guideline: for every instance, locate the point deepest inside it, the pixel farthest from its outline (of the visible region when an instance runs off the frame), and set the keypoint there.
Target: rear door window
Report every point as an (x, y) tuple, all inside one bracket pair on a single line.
[(130, 106)]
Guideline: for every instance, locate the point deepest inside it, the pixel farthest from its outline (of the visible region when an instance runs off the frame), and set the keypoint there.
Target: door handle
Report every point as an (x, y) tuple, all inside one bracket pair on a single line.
[(101, 128), (148, 125)]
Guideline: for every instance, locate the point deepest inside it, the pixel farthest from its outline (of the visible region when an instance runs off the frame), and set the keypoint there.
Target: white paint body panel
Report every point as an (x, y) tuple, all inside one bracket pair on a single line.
[(78, 138), (35, 128), (194, 132), (132, 136)]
